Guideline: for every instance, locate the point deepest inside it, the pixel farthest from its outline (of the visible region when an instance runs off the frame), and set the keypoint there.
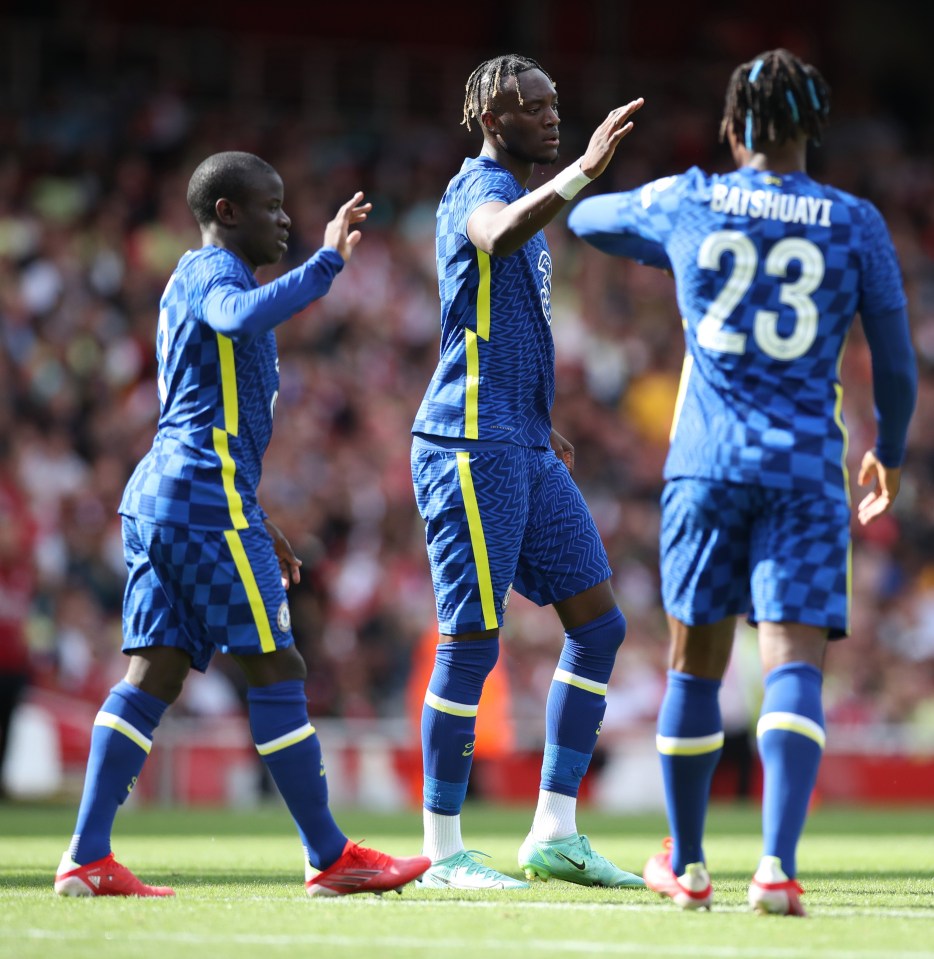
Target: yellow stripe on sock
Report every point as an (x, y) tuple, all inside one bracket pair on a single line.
[(283, 742), (689, 745), (449, 706), (120, 725), (791, 723), (588, 685)]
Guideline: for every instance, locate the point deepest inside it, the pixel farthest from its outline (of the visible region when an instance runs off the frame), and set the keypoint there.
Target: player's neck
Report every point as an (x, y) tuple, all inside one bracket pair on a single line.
[(520, 169), (788, 157)]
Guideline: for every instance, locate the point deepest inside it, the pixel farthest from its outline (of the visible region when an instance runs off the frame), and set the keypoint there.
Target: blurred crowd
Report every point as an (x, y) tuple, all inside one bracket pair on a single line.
[(92, 221)]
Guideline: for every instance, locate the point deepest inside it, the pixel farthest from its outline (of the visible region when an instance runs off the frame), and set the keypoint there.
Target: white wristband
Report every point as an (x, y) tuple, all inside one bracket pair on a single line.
[(570, 181)]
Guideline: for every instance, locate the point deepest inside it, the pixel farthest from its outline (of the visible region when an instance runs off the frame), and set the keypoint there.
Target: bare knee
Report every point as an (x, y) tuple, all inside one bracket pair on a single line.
[(783, 643), (265, 669), (702, 651), (159, 671)]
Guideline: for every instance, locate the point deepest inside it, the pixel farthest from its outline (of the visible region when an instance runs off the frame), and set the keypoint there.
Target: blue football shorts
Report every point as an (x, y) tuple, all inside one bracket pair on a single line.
[(201, 590), (500, 517), (774, 555)]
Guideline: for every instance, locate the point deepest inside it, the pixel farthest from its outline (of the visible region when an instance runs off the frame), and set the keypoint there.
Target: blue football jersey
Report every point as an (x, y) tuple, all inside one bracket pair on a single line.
[(495, 378), (770, 271), (218, 382)]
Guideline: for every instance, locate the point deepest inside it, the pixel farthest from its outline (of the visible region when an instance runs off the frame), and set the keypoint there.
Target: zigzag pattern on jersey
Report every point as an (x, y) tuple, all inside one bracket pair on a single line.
[(516, 364)]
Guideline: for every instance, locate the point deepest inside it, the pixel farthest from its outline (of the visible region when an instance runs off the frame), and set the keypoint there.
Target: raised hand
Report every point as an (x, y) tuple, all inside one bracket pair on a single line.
[(606, 137), (338, 233)]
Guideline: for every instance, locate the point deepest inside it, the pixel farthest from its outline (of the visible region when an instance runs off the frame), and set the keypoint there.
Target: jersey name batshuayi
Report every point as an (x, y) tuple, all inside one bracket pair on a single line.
[(770, 271), (217, 398), (495, 378)]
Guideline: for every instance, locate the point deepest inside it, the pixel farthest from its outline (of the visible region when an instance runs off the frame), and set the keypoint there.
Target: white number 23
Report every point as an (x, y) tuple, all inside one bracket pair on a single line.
[(795, 294)]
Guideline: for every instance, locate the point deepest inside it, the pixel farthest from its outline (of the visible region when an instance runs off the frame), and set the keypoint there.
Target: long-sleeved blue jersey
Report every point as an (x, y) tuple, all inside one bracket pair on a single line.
[(218, 383), (770, 271)]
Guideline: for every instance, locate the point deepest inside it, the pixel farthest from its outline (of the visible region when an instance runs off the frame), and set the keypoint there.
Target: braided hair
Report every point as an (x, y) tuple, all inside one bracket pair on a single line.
[(773, 98), (486, 82)]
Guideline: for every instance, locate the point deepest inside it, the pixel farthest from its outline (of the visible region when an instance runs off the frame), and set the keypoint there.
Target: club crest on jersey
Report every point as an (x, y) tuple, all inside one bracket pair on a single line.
[(544, 267), (284, 618), (506, 597)]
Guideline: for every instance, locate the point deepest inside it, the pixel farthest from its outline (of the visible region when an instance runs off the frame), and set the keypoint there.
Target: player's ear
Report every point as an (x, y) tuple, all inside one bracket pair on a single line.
[(226, 212), (490, 121)]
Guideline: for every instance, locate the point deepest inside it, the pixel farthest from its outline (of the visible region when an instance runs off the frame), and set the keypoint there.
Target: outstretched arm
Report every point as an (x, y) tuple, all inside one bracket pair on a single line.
[(502, 228), (247, 313)]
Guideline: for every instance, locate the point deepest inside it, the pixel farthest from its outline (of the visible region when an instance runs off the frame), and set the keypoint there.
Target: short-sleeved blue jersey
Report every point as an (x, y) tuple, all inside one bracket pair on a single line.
[(217, 390), (495, 378), (770, 271)]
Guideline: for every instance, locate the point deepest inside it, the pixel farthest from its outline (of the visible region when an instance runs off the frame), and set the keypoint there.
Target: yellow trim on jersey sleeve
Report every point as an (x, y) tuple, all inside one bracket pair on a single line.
[(472, 347), (267, 643), (838, 419), (471, 412), (228, 472), (229, 384), (228, 368), (477, 541), (483, 296), (686, 368)]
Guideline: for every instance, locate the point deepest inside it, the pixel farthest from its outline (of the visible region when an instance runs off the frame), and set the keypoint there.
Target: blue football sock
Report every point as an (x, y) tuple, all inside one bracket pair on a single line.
[(120, 742), (449, 719), (689, 742), (791, 743), (287, 742), (577, 701)]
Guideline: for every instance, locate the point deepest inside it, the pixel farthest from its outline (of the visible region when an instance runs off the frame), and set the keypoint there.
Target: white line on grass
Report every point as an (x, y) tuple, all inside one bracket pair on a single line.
[(448, 946)]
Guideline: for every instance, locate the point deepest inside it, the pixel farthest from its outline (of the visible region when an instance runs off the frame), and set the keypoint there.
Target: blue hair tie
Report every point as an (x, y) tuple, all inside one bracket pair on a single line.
[(790, 97), (749, 143), (812, 91), (755, 71)]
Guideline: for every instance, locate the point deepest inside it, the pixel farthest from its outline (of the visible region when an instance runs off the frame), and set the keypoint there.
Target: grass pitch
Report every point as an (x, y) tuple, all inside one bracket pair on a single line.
[(869, 877)]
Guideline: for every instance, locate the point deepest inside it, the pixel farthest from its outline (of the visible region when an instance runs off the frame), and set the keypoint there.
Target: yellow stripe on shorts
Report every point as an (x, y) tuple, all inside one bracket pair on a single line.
[(266, 642), (477, 542)]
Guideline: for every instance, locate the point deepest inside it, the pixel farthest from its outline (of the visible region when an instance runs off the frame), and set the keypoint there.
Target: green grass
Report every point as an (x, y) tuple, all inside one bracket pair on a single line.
[(869, 877)]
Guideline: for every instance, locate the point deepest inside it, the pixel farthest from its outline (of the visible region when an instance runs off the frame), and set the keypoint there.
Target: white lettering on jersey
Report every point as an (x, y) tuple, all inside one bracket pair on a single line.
[(786, 207)]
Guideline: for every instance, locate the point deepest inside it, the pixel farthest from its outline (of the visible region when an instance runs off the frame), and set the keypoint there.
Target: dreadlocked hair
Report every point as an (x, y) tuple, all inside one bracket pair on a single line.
[(773, 98), (487, 80)]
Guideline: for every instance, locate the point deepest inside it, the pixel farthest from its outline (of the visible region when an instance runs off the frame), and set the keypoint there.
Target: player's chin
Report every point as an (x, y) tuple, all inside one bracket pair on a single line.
[(548, 156)]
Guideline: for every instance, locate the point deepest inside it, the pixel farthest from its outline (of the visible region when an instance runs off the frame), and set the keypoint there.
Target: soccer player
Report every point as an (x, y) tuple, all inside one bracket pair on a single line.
[(207, 568), (770, 268), (493, 480)]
